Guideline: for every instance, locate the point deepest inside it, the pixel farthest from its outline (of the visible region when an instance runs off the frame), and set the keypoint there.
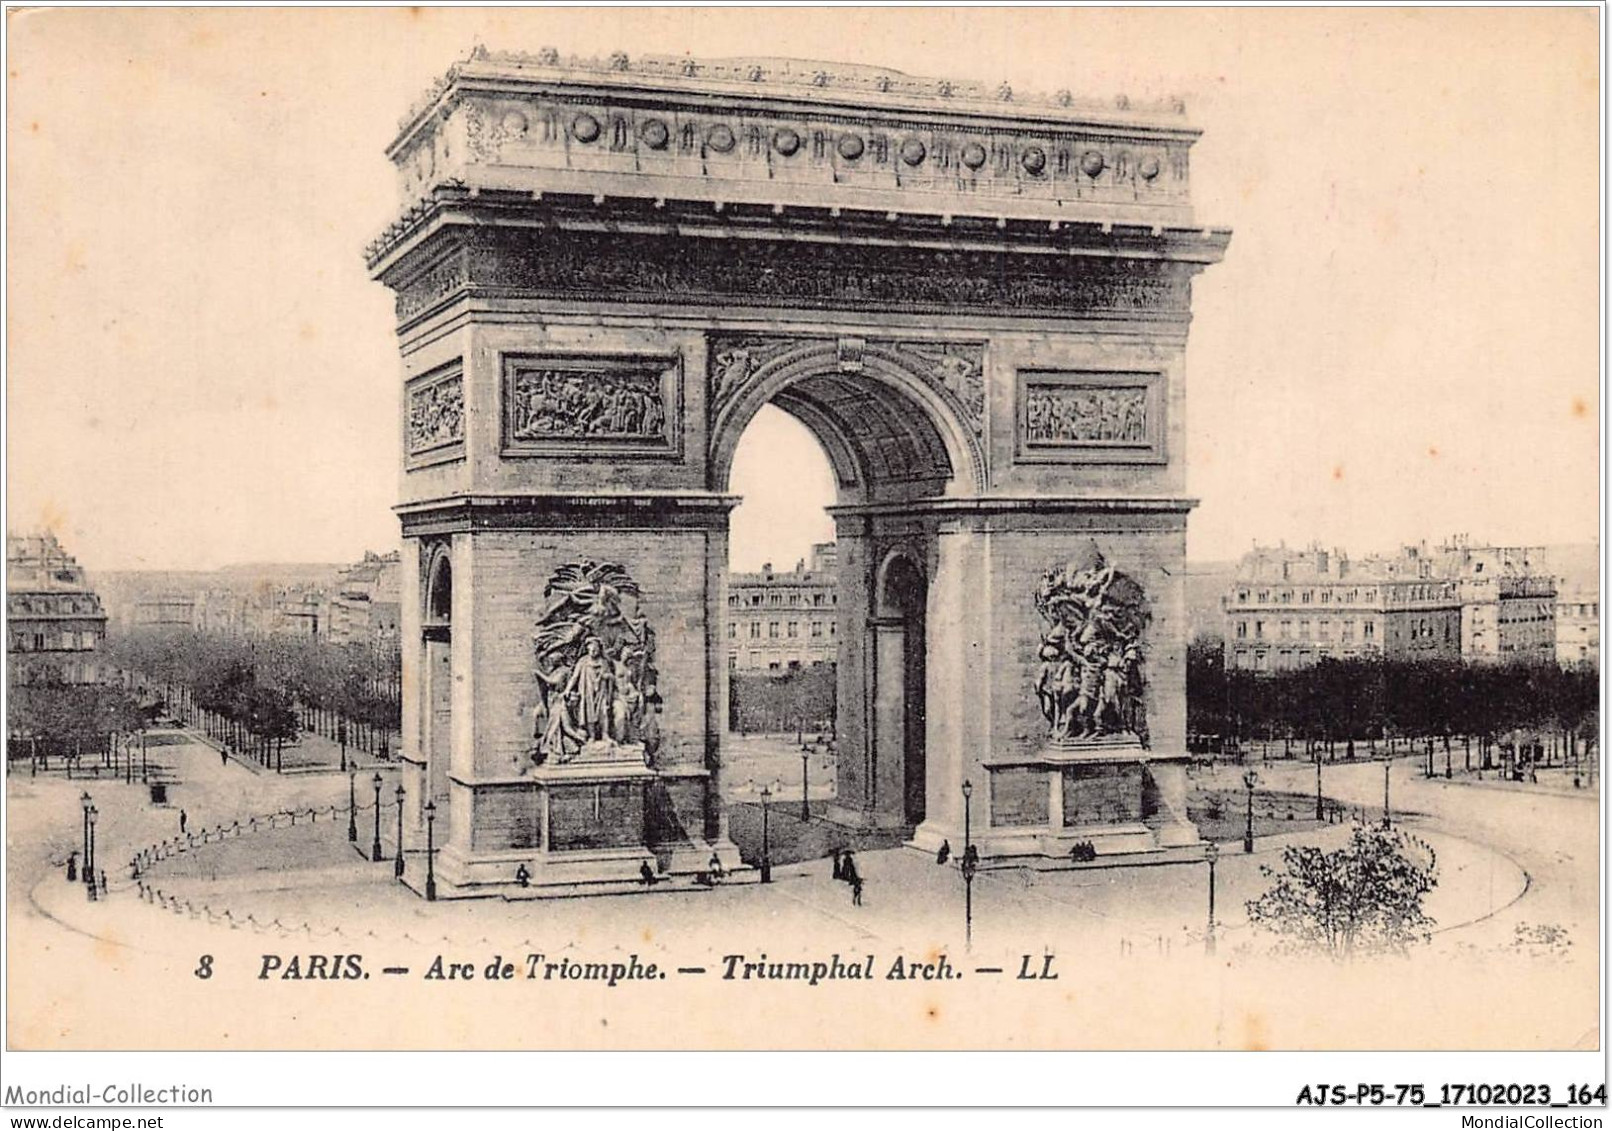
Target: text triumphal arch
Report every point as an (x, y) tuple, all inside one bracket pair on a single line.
[(977, 303)]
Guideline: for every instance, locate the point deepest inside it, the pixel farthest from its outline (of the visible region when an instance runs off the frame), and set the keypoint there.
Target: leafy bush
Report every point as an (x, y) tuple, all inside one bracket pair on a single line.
[(1363, 898)]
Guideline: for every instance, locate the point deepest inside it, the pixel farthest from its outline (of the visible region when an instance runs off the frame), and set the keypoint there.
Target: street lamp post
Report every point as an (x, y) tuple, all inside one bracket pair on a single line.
[(1320, 814), (1211, 853), (89, 866), (1387, 820), (85, 802), (375, 846), (1250, 780), (430, 850), (970, 864), (352, 806), (805, 805), (397, 867), (766, 835), (341, 737), (144, 772)]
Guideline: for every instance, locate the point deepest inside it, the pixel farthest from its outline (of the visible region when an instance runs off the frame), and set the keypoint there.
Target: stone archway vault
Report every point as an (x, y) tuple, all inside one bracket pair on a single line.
[(895, 433)]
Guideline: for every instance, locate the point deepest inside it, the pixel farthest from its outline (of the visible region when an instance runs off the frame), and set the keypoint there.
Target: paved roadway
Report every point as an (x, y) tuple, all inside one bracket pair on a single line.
[(1553, 837), (1507, 856)]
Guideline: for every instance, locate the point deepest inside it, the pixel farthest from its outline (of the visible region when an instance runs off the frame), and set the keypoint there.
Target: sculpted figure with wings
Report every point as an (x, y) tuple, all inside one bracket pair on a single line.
[(595, 667), (1090, 681)]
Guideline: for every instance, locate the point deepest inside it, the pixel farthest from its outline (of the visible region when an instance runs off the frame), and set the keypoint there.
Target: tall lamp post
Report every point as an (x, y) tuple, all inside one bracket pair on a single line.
[(970, 864), (85, 802), (1387, 821), (397, 868), (1250, 780), (430, 850), (1320, 814), (766, 835), (805, 805), (1211, 853), (341, 737), (352, 806), (375, 845), (89, 867)]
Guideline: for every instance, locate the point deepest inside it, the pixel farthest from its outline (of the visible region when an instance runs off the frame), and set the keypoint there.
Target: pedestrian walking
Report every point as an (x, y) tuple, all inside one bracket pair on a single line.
[(856, 891), (716, 867), (839, 866), (223, 757), (103, 881), (646, 875), (184, 819), (945, 852)]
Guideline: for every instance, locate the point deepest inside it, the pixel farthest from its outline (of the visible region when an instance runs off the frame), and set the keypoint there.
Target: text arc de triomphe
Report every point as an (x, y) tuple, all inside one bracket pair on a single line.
[(978, 304)]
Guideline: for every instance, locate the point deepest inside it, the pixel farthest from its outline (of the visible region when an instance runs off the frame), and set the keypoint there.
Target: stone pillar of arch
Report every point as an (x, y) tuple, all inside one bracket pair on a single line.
[(979, 307)]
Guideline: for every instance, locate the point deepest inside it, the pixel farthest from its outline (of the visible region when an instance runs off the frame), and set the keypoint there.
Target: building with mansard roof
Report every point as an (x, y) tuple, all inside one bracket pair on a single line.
[(1578, 627), (784, 621), (55, 624), (365, 606), (1293, 608)]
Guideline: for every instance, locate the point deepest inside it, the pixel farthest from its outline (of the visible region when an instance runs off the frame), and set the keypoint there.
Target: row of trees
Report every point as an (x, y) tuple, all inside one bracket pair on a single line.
[(69, 720), (257, 693), (772, 702), (1344, 701), (254, 718)]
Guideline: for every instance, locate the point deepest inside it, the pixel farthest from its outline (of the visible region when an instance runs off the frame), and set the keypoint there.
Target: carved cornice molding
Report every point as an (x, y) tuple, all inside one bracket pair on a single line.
[(782, 77), (638, 269), (639, 212), (771, 133), (644, 510), (1036, 506)]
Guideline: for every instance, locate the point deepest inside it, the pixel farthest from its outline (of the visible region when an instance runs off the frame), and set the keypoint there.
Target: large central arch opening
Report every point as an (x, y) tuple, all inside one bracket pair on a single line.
[(826, 613)]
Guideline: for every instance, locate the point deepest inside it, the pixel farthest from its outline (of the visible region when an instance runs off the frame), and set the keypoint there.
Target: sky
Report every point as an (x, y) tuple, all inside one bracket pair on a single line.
[(1402, 342)]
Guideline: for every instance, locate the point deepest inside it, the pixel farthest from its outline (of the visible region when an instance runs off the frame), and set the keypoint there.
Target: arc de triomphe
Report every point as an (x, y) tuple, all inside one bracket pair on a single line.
[(976, 301)]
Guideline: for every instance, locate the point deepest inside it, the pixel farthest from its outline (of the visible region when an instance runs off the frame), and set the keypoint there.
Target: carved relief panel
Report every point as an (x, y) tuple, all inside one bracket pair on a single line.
[(1091, 417), (434, 417), (612, 406)]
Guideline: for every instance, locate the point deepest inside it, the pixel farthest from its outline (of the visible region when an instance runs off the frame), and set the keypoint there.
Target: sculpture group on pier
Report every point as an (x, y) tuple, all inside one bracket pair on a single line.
[(595, 671), (1090, 681)]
